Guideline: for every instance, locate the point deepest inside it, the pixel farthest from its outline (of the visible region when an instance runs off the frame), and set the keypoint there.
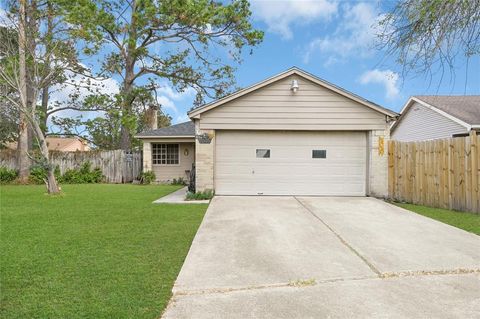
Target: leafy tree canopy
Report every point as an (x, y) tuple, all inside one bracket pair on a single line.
[(190, 43)]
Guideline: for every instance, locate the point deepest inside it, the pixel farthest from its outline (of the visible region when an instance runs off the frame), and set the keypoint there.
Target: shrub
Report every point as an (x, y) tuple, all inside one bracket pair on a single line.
[(7, 175), (38, 174), (206, 194), (179, 181), (83, 175), (147, 177)]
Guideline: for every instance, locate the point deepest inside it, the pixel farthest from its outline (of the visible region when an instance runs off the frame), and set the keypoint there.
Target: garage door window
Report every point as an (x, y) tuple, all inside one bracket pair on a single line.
[(263, 153), (165, 154), (319, 153)]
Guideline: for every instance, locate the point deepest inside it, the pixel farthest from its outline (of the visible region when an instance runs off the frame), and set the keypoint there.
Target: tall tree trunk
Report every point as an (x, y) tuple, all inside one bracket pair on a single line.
[(128, 99), (125, 136), (46, 90), (51, 182), (22, 147), (31, 28)]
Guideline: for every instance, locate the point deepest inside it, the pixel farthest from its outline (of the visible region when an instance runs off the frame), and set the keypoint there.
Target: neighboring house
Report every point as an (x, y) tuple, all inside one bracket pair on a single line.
[(67, 144), (62, 144), (291, 134), (433, 117)]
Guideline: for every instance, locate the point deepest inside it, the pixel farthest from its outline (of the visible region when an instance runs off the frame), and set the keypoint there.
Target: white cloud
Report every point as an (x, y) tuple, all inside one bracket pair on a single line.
[(281, 15), (387, 78), (169, 99), (355, 34), (167, 104), (181, 118), (175, 95)]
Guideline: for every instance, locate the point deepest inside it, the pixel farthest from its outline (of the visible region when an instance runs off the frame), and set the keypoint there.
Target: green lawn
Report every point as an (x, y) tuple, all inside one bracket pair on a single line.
[(467, 221), (98, 251)]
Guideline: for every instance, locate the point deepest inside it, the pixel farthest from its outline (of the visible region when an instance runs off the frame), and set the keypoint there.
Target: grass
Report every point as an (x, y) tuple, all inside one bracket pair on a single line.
[(466, 221), (98, 251)]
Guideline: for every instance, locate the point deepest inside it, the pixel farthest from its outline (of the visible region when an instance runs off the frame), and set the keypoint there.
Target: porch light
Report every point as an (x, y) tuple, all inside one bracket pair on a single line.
[(294, 86)]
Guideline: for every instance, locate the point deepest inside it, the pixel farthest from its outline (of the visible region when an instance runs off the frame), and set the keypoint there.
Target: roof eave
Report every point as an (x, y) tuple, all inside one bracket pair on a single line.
[(195, 113), (163, 136)]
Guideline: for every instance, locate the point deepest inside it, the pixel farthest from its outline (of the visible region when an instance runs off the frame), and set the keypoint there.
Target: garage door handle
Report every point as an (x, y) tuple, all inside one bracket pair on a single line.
[(253, 172)]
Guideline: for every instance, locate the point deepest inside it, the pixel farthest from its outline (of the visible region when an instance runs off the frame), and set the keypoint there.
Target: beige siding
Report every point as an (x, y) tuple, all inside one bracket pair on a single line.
[(276, 107), (290, 170), (421, 123), (166, 173)]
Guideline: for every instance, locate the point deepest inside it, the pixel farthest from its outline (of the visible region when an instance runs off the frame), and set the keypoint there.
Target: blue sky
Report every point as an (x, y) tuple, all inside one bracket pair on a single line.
[(333, 40)]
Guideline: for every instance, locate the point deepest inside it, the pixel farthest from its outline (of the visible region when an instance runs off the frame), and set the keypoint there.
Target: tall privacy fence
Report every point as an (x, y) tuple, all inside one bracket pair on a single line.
[(117, 166), (439, 173)]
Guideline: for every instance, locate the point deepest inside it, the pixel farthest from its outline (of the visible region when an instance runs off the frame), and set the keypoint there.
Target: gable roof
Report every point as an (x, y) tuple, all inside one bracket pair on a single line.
[(462, 109), (292, 71), (186, 129)]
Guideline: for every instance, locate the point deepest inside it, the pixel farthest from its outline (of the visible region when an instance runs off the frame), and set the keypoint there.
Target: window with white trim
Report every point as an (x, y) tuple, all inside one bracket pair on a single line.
[(165, 154)]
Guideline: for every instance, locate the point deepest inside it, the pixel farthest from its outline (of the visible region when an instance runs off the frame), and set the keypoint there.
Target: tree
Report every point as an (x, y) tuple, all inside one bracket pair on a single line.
[(104, 131), (184, 42), (31, 63), (423, 34), (9, 116)]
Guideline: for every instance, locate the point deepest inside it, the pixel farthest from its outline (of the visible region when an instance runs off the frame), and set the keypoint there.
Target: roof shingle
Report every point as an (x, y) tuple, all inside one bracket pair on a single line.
[(463, 107), (181, 129)]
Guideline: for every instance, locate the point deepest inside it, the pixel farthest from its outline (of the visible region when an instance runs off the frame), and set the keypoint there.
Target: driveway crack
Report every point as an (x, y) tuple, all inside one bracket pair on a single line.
[(342, 240)]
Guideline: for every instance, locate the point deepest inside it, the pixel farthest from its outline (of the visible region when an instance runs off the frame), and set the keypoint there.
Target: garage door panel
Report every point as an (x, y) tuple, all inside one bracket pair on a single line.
[(290, 170)]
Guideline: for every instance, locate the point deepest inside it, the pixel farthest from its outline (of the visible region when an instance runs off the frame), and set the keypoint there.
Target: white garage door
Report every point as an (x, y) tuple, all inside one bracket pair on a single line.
[(290, 163)]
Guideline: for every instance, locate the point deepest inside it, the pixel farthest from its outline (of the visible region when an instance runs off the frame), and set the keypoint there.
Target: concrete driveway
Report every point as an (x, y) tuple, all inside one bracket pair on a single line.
[(324, 257)]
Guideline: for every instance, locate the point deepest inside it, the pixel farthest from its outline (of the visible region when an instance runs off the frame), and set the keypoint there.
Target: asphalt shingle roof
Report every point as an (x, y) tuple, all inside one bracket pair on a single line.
[(181, 129), (463, 107)]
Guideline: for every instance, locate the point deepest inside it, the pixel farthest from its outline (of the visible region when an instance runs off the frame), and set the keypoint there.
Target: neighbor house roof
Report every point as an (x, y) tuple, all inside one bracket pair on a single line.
[(294, 70), (462, 109), (186, 129), (64, 144)]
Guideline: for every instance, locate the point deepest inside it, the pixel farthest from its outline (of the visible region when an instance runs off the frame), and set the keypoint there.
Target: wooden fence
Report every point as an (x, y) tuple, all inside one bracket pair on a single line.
[(441, 173), (117, 166)]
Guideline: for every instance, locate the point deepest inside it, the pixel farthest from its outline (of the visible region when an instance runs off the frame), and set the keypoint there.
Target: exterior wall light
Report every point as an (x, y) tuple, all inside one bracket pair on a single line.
[(294, 86)]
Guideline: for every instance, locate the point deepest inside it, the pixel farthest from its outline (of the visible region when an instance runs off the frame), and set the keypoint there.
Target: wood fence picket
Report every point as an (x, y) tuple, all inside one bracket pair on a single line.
[(441, 173)]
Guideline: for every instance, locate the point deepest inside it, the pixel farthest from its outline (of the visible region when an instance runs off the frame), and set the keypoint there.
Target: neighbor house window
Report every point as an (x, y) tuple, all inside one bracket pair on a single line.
[(165, 154), (263, 153), (319, 153)]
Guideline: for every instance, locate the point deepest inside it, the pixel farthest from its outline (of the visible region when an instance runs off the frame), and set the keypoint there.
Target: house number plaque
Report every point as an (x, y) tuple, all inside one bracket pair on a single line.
[(203, 138)]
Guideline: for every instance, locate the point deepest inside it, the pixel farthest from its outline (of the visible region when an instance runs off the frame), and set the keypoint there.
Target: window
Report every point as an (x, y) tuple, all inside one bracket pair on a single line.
[(263, 153), (319, 153), (165, 154)]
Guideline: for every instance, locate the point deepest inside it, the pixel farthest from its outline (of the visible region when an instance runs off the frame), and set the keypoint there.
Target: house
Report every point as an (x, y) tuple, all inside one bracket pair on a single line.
[(291, 134), (61, 144), (432, 117), (67, 144)]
